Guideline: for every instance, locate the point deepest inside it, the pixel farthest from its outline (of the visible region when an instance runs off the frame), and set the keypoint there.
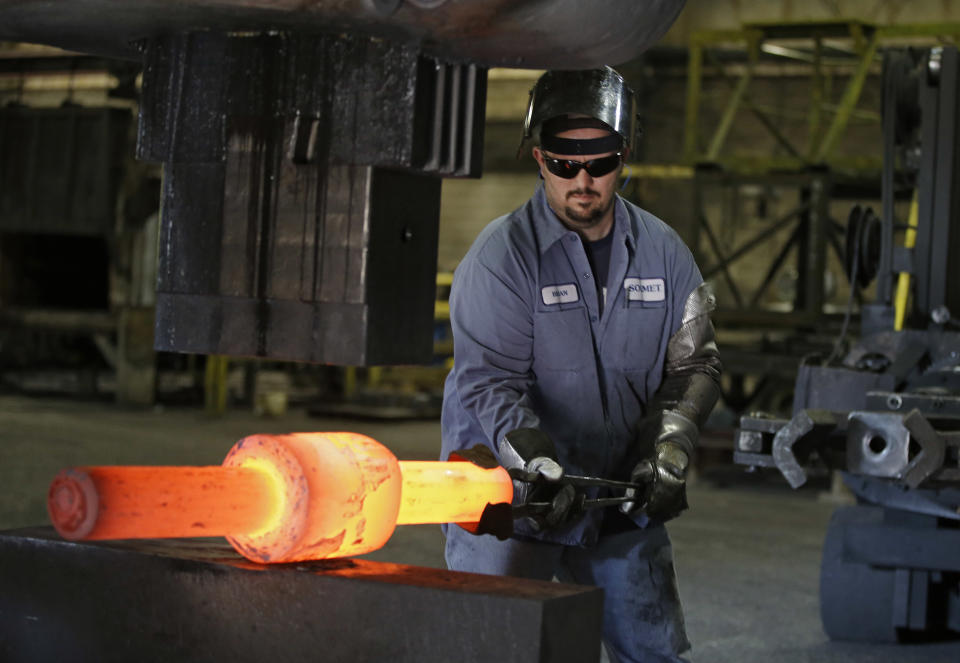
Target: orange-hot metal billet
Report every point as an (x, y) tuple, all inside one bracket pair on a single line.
[(449, 492), (345, 502), (277, 498), (156, 502)]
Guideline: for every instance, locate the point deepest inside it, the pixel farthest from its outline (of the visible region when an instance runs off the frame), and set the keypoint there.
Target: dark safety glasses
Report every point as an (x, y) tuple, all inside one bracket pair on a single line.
[(568, 168)]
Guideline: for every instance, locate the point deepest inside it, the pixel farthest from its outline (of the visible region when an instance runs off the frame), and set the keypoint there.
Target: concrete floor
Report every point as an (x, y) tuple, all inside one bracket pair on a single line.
[(747, 552)]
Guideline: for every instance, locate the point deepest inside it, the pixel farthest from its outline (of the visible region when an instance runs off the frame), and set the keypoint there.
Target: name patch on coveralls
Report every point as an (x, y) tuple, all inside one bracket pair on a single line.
[(645, 290), (560, 294)]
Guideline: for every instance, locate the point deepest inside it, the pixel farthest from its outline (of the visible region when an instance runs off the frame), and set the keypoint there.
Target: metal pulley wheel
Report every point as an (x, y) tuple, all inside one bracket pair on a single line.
[(863, 245)]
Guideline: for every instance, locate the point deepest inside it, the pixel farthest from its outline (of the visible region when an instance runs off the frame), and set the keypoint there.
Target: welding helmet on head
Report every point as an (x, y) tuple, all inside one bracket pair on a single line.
[(601, 94)]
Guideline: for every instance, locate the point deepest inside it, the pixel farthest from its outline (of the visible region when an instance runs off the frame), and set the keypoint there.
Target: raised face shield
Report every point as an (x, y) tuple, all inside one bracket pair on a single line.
[(595, 93)]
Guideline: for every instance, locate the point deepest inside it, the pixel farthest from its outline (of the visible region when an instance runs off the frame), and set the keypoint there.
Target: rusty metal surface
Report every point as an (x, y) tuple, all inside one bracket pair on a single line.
[(338, 98), (513, 33), (343, 288), (300, 209), (196, 600)]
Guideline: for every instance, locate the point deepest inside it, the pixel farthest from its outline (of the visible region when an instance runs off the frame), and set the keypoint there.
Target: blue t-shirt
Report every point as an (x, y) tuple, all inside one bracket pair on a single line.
[(598, 255)]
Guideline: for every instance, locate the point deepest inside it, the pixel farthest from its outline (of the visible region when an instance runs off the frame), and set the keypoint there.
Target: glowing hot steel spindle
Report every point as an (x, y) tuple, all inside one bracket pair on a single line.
[(277, 498)]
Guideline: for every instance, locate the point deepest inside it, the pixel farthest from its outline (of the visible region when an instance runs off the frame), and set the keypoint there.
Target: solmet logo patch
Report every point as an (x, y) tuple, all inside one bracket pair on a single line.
[(560, 294), (645, 290)]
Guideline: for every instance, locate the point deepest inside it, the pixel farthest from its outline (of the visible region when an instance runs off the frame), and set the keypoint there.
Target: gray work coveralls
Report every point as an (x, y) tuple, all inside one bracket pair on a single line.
[(532, 349)]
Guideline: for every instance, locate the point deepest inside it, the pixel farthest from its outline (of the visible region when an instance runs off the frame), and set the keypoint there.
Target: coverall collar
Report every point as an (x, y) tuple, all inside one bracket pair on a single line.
[(550, 228)]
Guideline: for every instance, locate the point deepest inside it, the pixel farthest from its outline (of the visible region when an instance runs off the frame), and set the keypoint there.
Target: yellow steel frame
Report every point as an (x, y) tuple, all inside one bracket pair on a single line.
[(822, 139)]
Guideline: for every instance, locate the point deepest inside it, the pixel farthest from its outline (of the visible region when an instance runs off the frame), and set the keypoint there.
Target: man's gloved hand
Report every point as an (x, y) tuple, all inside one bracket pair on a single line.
[(545, 466), (533, 452), (665, 476), (664, 473), (561, 498)]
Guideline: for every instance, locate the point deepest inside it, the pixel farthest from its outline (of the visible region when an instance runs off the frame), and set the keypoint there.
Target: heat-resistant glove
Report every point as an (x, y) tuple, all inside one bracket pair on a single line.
[(666, 437), (532, 452), (664, 473)]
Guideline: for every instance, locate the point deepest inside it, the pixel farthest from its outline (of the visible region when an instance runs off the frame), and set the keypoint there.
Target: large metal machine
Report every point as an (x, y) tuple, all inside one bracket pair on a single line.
[(303, 145), (887, 413)]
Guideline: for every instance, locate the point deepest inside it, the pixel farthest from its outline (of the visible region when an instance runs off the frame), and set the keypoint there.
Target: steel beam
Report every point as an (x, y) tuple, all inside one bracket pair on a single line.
[(754, 241), (726, 120), (694, 87), (849, 101)]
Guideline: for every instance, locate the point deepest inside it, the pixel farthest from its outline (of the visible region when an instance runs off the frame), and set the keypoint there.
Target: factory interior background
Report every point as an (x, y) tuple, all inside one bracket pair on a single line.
[(763, 144)]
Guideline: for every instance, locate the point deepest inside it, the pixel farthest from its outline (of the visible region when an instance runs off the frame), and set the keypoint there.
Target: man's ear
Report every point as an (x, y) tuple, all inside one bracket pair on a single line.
[(538, 155)]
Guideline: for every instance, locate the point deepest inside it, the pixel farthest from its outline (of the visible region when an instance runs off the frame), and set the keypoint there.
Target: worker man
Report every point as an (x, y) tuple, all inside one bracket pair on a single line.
[(583, 345)]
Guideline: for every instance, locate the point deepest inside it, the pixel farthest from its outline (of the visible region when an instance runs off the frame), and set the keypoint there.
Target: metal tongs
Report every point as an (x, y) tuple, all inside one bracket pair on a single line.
[(582, 503), (497, 519)]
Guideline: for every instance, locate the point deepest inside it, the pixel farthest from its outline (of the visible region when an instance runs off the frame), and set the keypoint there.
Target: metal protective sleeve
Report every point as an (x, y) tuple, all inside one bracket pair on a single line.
[(691, 382)]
